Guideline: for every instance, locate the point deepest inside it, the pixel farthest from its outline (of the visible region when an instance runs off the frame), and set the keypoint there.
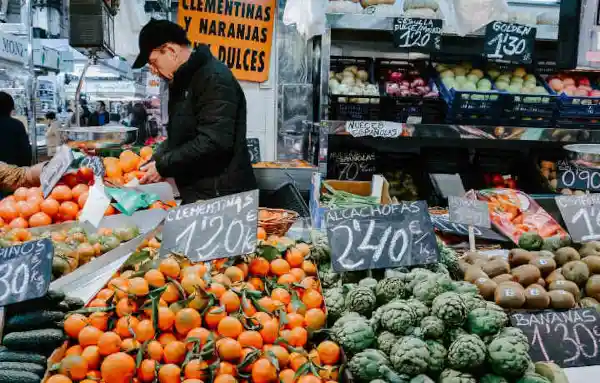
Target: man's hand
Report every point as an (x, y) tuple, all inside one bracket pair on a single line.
[(151, 175)]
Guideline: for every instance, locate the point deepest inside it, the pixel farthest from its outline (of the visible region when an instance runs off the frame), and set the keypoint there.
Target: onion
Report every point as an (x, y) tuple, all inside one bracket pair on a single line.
[(404, 93), (405, 83), (352, 68), (333, 82), (417, 82), (349, 81), (339, 76), (363, 75), (396, 76)]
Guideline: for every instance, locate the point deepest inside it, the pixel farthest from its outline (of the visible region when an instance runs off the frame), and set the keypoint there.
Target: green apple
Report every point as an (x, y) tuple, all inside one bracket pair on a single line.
[(502, 85)]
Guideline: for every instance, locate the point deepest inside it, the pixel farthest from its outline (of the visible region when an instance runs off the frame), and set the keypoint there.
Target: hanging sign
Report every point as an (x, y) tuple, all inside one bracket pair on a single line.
[(239, 33), (442, 223), (253, 149), (218, 228), (383, 129), (572, 176), (55, 169), (509, 41), (415, 34), (581, 215), (381, 236), (469, 211), (25, 271), (351, 165), (568, 338)]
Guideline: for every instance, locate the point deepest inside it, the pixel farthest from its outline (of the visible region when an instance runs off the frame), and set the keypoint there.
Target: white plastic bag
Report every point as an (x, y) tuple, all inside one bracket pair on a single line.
[(467, 16), (308, 15), (129, 22)]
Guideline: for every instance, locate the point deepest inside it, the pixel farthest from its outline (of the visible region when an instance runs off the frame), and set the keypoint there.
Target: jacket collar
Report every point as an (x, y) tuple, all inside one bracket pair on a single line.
[(199, 57)]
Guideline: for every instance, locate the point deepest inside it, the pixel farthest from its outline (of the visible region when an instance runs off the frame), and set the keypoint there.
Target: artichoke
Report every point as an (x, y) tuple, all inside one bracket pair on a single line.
[(428, 289), (463, 287), (437, 356), (449, 259), (361, 300), (515, 336), (421, 379), (493, 306), (466, 352), (419, 308), (390, 288), (452, 334), (371, 364), (472, 301), (491, 378), (329, 278), (416, 331), (485, 322), (354, 334), (368, 282), (507, 359), (334, 302), (532, 377), (418, 275), (432, 327), (450, 308), (385, 341), (453, 376), (410, 356), (397, 317)]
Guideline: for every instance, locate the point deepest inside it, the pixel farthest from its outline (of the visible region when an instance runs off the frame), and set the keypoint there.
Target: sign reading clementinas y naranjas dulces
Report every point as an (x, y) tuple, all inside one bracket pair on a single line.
[(239, 32)]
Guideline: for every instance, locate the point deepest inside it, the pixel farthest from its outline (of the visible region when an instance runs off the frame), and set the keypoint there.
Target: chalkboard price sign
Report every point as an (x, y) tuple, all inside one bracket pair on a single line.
[(415, 34), (352, 165), (568, 338), (373, 237), (509, 41), (25, 271), (218, 228), (581, 215), (442, 223), (55, 169), (94, 163), (469, 211), (254, 149), (574, 177)]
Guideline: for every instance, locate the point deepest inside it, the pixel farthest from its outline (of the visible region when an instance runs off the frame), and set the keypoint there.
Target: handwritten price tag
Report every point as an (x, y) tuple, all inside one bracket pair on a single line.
[(422, 35), (574, 177), (581, 215), (509, 41)]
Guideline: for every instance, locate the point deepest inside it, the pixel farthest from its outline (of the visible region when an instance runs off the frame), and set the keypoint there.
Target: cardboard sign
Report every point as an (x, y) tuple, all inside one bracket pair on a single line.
[(218, 228), (55, 169), (568, 338), (351, 166), (94, 163), (574, 177), (581, 215), (25, 271), (382, 236), (420, 35), (254, 149), (239, 33), (442, 223), (383, 129), (469, 212), (509, 41)]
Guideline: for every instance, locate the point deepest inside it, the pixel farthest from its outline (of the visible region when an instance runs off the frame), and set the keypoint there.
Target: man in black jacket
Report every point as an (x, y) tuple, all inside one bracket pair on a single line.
[(206, 149), (15, 148)]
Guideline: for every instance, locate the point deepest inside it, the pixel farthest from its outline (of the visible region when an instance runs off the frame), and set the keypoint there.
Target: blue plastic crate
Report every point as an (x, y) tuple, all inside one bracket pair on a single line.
[(471, 107), (578, 106), (521, 109)]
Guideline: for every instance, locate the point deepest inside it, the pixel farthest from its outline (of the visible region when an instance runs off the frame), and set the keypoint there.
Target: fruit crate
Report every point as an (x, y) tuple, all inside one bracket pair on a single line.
[(412, 106), (352, 107)]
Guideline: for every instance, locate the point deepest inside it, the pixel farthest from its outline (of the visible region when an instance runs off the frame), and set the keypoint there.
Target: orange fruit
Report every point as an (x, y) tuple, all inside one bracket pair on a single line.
[(268, 304), (287, 279), (297, 360), (230, 327), (61, 193), (19, 223), (230, 300), (138, 286), (287, 376), (128, 345), (74, 366), (310, 283), (171, 294), (197, 333), (82, 199), (270, 331), (166, 318), (196, 369), (294, 257), (89, 336), (144, 330), (213, 316), (259, 266), (229, 349), (165, 338), (281, 295), (226, 378), (298, 336), (74, 350), (78, 190), (74, 324), (329, 352), (187, 319), (279, 267), (261, 234), (99, 320), (169, 267), (257, 283), (92, 356), (68, 210), (40, 219), (109, 343), (303, 248), (118, 368), (147, 371), (154, 350), (125, 307), (309, 268), (315, 319), (58, 379), (309, 379), (312, 299), (263, 371), (283, 356), (125, 325), (234, 273), (294, 320), (50, 206), (21, 194), (250, 339), (154, 278), (175, 352), (146, 152)]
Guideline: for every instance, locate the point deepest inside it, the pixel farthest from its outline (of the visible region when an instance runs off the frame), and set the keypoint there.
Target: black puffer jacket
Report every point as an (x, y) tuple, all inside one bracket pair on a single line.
[(206, 150)]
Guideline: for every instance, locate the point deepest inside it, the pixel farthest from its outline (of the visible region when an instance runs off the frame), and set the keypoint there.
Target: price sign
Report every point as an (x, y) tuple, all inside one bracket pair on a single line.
[(509, 41), (382, 236), (568, 338), (581, 215), (55, 169), (254, 149), (94, 163), (423, 35), (574, 177), (442, 223), (469, 211), (25, 271), (218, 228), (352, 165), (384, 129)]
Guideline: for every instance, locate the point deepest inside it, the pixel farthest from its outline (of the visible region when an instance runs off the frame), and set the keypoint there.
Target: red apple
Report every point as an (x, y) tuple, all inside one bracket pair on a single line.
[(498, 180), (584, 81), (595, 93), (568, 81), (556, 84)]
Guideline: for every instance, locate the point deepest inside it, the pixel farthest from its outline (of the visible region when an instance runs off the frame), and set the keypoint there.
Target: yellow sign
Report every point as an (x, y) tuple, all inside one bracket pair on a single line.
[(239, 32)]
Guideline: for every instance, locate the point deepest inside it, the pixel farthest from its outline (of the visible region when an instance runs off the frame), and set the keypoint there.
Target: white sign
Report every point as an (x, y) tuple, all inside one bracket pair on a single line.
[(384, 129), (152, 85), (44, 57), (13, 48)]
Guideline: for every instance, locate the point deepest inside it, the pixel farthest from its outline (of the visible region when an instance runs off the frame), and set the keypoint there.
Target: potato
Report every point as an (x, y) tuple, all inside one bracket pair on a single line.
[(486, 287), (593, 263), (536, 297), (590, 248), (495, 267), (555, 276), (474, 272), (546, 265), (517, 257), (472, 256), (561, 299), (509, 295), (576, 271), (567, 286), (526, 274), (504, 278), (592, 287), (565, 255)]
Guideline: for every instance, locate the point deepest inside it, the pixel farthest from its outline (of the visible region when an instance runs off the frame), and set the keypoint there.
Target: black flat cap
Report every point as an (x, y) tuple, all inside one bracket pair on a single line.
[(155, 34)]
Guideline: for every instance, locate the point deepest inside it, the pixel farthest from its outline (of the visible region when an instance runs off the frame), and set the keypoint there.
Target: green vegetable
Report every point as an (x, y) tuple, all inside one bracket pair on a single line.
[(410, 356), (12, 376), (361, 300), (463, 287), (397, 317), (552, 244), (432, 327), (422, 379), (507, 359), (453, 376), (34, 340), (34, 320), (452, 334), (472, 301), (48, 302), (427, 290), (390, 288), (371, 364), (385, 341), (532, 377), (449, 258), (30, 367), (74, 303), (467, 351), (531, 241), (329, 278), (333, 198), (334, 302), (368, 282), (515, 336), (353, 333), (491, 378), (437, 356), (485, 322), (22, 357), (450, 308), (415, 331), (418, 307)]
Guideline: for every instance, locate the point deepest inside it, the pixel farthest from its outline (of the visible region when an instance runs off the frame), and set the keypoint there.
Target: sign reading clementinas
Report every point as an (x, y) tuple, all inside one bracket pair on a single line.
[(239, 32)]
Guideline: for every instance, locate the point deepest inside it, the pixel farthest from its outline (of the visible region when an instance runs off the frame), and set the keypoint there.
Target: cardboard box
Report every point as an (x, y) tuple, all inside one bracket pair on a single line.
[(377, 187)]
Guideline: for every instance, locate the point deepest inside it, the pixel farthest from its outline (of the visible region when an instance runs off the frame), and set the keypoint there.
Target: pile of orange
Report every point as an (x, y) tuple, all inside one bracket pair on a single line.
[(122, 170), (244, 319)]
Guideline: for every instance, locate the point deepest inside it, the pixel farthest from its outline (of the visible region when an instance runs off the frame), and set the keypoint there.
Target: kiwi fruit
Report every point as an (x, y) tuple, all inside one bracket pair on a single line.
[(541, 282), (510, 295), (561, 299), (504, 278), (565, 255), (593, 263), (495, 267), (567, 286), (474, 272), (576, 271), (472, 256), (592, 287), (545, 264), (526, 274), (588, 302), (486, 287), (517, 257), (556, 275), (536, 297), (590, 248)]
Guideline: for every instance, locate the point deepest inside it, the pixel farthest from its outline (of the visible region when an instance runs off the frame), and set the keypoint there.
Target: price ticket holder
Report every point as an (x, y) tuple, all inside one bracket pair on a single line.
[(416, 34), (509, 42), (469, 212), (581, 215)]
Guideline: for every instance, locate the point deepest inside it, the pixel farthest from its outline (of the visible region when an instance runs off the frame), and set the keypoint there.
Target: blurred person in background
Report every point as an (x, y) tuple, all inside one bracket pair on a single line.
[(15, 148), (100, 116), (52, 133), (139, 120)]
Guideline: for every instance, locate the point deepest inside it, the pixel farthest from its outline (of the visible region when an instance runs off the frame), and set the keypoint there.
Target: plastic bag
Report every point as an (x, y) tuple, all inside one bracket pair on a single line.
[(129, 200), (467, 16), (308, 15)]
